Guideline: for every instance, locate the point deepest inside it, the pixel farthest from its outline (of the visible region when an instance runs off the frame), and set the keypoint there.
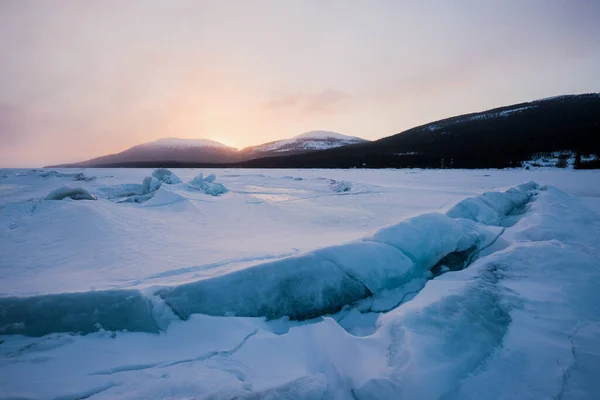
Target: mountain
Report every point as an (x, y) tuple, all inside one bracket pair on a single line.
[(169, 149), (510, 136), (498, 138), (174, 151), (306, 142)]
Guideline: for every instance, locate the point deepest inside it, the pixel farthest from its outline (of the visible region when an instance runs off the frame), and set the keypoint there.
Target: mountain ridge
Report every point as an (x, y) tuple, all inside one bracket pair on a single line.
[(210, 151), (501, 137), (305, 142), (183, 142)]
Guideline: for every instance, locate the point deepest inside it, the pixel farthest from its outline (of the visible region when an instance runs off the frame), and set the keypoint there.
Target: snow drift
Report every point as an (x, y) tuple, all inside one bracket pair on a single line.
[(301, 287), (64, 192)]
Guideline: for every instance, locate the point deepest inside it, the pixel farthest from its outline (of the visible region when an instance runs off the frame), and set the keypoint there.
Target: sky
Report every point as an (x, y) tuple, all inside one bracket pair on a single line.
[(80, 79)]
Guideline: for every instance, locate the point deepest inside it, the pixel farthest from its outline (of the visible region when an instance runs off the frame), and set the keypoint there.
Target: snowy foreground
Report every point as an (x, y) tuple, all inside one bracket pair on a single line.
[(299, 284)]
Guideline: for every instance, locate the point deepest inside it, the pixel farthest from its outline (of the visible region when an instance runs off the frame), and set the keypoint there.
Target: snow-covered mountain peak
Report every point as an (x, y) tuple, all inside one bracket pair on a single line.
[(308, 141), (325, 135), (184, 143)]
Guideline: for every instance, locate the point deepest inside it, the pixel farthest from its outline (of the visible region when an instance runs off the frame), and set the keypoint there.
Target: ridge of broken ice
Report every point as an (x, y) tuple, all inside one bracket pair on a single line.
[(300, 287), (490, 207)]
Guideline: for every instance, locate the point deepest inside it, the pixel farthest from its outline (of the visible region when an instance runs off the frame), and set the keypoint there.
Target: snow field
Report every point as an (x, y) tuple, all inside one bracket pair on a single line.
[(520, 321)]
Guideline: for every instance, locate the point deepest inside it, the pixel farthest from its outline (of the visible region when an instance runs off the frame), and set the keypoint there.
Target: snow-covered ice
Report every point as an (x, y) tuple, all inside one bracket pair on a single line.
[(166, 176), (208, 185), (150, 184), (413, 284)]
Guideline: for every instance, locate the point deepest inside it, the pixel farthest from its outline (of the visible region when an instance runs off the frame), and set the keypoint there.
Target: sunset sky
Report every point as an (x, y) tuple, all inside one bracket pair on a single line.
[(80, 79)]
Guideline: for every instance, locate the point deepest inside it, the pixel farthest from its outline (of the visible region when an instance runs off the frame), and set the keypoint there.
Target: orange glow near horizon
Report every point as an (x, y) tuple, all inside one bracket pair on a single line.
[(253, 73)]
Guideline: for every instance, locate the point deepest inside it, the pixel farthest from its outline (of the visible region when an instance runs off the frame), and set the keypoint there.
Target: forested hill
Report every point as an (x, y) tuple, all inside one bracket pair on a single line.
[(498, 138)]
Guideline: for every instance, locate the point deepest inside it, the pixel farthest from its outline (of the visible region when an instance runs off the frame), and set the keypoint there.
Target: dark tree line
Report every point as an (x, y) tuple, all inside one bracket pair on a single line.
[(498, 138)]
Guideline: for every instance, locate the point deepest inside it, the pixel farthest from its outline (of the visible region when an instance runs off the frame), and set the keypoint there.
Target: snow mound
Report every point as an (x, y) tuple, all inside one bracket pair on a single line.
[(340, 186), (64, 192), (166, 176), (300, 287), (208, 185)]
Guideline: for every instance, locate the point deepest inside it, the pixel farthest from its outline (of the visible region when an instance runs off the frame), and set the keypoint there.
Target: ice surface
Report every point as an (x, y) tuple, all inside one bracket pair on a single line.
[(300, 287), (76, 312), (210, 178), (166, 176), (517, 323), (65, 192), (263, 217), (375, 265), (427, 238), (322, 282)]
